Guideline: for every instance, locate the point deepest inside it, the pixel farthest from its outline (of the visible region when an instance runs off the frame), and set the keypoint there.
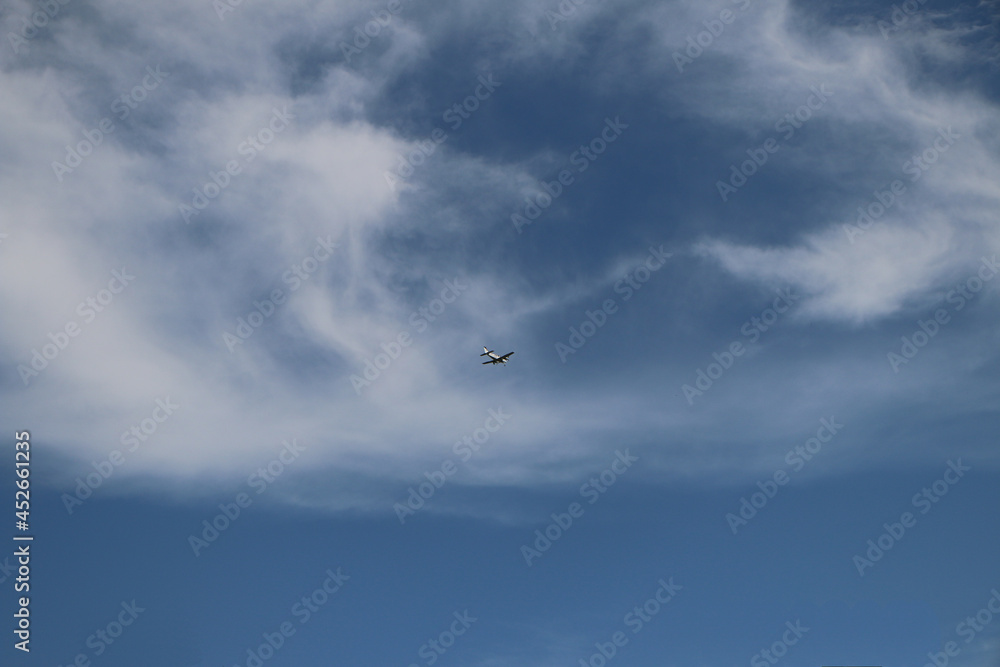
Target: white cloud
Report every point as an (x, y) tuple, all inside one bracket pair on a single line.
[(871, 278), (323, 175)]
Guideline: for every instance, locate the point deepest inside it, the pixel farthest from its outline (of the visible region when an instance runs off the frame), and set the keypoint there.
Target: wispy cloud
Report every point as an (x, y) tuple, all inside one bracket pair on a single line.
[(323, 175)]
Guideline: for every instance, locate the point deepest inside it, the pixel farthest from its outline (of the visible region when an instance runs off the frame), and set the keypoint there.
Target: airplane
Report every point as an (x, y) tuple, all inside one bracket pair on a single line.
[(494, 357)]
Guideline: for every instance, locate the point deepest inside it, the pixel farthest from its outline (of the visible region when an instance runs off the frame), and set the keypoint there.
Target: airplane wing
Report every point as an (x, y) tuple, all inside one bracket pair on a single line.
[(505, 357), (491, 361)]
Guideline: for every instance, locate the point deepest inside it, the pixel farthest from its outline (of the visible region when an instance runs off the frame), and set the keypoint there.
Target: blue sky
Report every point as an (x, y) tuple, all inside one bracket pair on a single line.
[(744, 251)]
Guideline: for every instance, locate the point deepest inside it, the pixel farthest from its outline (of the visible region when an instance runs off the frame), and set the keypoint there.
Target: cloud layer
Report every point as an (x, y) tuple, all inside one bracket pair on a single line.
[(259, 123)]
